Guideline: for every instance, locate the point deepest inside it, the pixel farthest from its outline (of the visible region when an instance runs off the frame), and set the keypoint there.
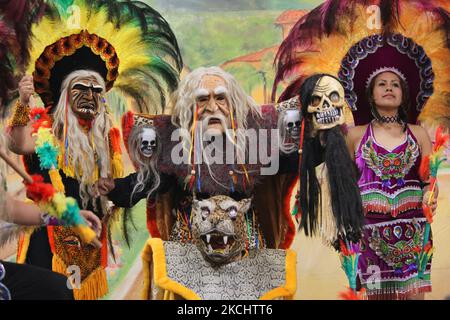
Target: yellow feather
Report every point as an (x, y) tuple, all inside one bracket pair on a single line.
[(415, 24), (126, 40)]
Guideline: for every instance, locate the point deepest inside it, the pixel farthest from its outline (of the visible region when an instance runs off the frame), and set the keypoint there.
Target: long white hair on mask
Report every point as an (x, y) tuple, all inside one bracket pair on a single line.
[(80, 151), (184, 103), (146, 167)]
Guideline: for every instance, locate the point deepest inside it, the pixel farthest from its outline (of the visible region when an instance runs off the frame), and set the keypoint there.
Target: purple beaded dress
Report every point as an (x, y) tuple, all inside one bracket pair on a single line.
[(392, 199)]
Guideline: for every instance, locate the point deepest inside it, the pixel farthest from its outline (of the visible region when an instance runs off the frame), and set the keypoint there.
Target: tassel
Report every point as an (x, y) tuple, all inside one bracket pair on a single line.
[(199, 186), (244, 184), (233, 180), (189, 180), (56, 180)]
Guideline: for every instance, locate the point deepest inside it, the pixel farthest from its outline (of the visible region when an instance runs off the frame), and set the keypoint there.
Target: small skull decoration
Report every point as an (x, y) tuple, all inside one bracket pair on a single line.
[(148, 142), (292, 121), (327, 102)]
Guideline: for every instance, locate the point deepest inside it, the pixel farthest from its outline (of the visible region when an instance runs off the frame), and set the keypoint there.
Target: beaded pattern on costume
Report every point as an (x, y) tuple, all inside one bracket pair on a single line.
[(240, 280), (397, 244), (21, 115), (72, 251), (408, 198), (391, 165)]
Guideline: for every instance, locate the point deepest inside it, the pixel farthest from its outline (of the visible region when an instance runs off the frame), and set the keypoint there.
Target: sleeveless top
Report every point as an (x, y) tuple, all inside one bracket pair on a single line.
[(389, 181)]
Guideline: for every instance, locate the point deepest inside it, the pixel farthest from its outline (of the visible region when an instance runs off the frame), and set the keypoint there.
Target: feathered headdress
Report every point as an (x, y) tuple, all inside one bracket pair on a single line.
[(127, 42), (352, 39)]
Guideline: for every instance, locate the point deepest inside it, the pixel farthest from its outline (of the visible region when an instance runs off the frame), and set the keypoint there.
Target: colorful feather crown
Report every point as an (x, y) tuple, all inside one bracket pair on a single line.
[(77, 51), (347, 40), (97, 35)]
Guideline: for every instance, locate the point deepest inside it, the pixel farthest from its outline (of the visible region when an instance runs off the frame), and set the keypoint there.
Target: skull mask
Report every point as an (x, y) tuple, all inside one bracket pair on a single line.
[(148, 142), (292, 123), (327, 102)]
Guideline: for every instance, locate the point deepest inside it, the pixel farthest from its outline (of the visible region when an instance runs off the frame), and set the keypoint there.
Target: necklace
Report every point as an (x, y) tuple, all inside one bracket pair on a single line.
[(390, 119)]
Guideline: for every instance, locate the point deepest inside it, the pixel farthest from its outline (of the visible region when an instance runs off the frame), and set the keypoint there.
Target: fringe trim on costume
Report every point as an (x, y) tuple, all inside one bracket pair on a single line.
[(399, 291), (394, 222), (116, 159), (392, 294), (24, 243), (117, 166), (408, 199), (93, 287)]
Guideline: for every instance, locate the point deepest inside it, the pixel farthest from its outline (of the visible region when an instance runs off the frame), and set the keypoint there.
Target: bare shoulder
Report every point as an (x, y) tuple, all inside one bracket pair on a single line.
[(357, 132), (419, 132)]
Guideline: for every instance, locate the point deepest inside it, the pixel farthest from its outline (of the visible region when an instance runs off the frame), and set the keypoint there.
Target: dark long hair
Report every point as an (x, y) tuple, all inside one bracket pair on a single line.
[(404, 106), (342, 174)]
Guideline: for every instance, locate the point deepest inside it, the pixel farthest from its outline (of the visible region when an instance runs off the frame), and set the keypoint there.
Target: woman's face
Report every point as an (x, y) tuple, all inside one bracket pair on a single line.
[(387, 91)]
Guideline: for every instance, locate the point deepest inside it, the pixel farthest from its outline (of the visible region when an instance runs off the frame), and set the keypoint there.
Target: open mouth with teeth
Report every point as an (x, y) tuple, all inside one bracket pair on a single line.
[(217, 243), (329, 116), (86, 107)]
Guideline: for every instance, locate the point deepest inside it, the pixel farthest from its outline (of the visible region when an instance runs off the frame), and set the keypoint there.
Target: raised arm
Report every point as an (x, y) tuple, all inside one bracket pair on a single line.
[(20, 139)]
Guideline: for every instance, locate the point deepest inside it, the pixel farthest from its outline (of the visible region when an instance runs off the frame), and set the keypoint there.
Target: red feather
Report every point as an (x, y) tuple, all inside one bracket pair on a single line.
[(427, 212), (344, 249), (441, 139), (39, 190), (152, 224), (424, 169), (114, 138), (41, 119), (349, 294), (127, 126)]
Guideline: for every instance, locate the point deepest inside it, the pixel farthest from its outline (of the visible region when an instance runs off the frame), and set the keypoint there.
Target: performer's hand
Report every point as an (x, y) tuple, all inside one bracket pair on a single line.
[(92, 221), (26, 89), (433, 203), (104, 186)]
